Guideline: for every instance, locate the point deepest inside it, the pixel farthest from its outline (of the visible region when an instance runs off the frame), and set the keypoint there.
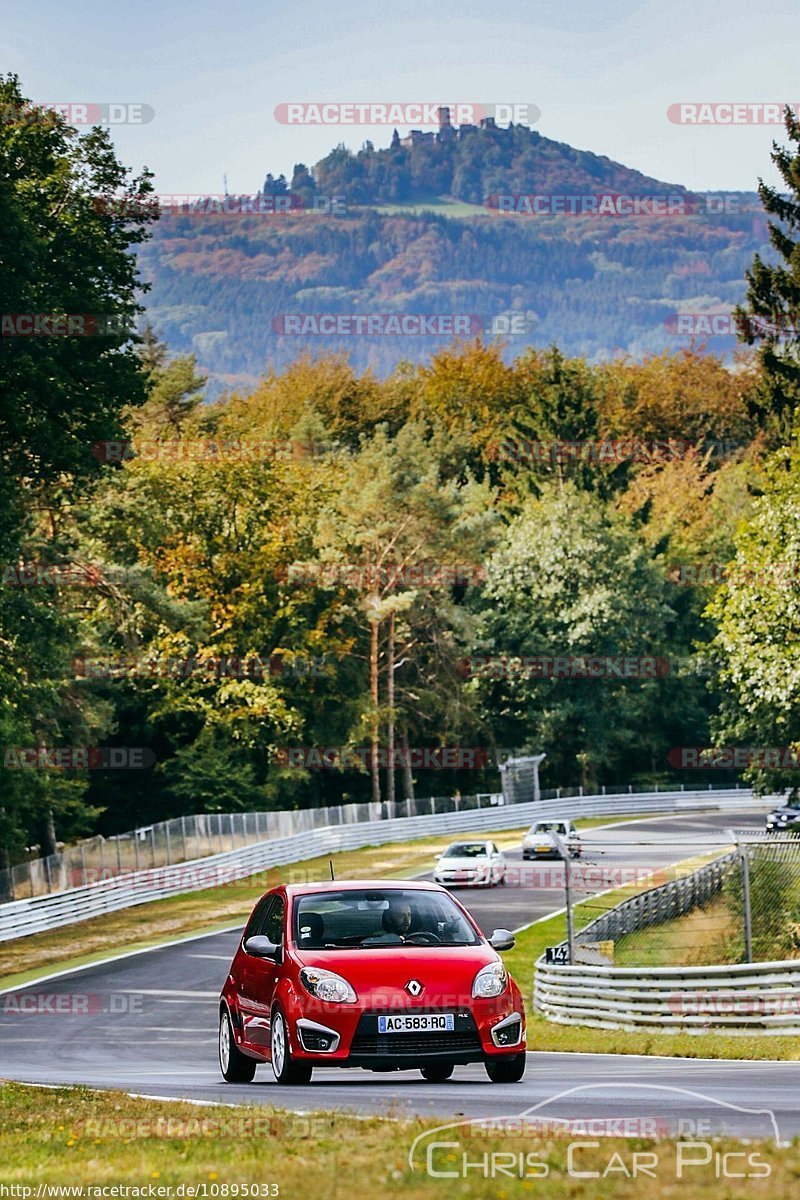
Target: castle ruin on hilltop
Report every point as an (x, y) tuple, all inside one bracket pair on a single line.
[(447, 132)]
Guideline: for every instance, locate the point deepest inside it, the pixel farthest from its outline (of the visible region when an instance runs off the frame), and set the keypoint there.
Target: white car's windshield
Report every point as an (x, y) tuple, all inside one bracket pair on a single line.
[(358, 919), (550, 827), (466, 850)]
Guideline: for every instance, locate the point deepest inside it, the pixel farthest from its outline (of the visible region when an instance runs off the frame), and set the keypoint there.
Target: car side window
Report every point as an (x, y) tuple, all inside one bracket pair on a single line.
[(493, 848), (255, 925), (272, 926)]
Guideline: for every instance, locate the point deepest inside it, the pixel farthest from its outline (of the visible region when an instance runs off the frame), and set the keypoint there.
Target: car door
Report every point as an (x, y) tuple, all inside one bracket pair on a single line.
[(260, 975)]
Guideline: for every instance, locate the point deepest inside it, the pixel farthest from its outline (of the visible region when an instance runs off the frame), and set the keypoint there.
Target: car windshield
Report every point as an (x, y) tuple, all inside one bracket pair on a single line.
[(466, 850), (550, 827), (353, 920)]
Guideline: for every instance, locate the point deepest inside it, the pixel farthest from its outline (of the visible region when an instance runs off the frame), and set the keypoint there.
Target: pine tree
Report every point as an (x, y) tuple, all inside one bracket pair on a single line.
[(770, 318)]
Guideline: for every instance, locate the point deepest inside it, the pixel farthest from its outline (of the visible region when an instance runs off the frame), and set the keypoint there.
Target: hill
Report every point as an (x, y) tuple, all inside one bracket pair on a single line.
[(420, 228)]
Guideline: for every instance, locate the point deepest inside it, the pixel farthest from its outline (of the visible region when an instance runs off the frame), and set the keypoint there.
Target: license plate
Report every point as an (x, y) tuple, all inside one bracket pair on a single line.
[(420, 1023)]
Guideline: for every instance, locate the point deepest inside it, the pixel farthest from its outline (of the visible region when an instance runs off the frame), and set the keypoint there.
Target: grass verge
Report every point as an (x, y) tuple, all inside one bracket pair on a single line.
[(79, 1138)]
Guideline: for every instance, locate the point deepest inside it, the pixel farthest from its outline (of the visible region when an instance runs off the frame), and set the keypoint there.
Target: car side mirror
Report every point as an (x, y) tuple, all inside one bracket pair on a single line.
[(502, 939), (261, 947)]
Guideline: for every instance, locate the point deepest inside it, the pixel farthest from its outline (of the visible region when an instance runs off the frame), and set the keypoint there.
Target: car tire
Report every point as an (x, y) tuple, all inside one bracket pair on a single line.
[(508, 1069), (502, 879), (287, 1070), (235, 1066)]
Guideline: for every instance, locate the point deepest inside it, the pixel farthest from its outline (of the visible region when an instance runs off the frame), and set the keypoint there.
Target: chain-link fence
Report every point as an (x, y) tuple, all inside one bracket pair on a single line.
[(735, 903), (184, 839)]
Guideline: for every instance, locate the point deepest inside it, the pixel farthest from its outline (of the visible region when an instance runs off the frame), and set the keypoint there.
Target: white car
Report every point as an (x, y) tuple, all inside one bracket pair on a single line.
[(470, 864), (538, 842)]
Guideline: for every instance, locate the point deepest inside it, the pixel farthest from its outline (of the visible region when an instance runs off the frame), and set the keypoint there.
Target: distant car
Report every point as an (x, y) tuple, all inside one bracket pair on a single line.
[(470, 864), (384, 976), (538, 842), (785, 817)]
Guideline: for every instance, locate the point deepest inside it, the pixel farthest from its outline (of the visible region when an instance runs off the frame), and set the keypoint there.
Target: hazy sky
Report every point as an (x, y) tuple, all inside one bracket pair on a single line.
[(602, 72)]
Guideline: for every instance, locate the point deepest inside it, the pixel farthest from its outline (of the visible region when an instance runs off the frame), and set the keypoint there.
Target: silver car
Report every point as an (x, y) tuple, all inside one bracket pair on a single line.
[(538, 842)]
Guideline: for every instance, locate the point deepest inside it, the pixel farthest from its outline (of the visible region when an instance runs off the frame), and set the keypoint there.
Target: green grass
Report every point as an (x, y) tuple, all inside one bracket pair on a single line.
[(79, 1138), (446, 206)]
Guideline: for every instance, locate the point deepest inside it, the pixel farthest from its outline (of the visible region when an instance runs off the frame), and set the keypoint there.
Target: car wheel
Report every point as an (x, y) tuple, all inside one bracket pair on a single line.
[(235, 1066), (284, 1067), (506, 1070), (437, 1072), (501, 879)]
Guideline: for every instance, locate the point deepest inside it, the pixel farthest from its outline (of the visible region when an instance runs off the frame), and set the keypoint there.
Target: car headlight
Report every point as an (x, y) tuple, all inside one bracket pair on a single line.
[(491, 980), (326, 985)]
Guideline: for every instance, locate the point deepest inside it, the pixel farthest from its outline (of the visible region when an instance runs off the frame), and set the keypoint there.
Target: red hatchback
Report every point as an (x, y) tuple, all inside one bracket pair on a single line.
[(387, 976)]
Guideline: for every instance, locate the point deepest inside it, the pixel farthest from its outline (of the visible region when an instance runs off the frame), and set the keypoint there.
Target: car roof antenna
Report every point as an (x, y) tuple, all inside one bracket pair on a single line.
[(330, 864)]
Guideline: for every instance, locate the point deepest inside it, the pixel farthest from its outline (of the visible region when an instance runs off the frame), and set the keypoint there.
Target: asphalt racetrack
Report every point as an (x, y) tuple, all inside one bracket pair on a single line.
[(151, 1025)]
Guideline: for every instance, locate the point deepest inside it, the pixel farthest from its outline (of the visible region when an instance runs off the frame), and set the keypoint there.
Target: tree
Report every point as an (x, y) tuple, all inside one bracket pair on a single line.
[(395, 525), (65, 249), (758, 643), (771, 318), (70, 215), (571, 579)]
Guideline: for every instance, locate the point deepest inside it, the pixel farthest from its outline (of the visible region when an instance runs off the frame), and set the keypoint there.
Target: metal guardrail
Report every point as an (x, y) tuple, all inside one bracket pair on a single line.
[(23, 917), (760, 998)]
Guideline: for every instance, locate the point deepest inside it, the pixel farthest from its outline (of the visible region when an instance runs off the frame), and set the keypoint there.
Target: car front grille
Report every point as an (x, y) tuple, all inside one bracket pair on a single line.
[(368, 1042)]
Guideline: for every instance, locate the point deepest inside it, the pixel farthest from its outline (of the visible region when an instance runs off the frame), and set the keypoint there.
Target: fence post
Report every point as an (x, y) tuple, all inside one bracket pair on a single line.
[(183, 836), (153, 845), (748, 916), (169, 844), (744, 863), (136, 847), (564, 852), (119, 859)]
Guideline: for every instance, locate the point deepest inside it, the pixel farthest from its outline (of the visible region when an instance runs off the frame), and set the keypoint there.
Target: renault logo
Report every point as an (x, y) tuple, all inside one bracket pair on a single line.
[(413, 987)]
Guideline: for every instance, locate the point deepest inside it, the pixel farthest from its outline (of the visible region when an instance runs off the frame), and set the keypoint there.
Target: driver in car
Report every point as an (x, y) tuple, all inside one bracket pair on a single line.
[(397, 918)]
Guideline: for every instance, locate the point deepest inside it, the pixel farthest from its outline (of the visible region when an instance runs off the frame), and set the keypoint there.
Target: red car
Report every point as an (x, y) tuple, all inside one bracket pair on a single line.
[(387, 976)]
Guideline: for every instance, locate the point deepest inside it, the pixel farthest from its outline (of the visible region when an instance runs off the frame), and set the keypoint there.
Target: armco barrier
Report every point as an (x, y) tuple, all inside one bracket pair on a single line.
[(20, 918), (760, 998)]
